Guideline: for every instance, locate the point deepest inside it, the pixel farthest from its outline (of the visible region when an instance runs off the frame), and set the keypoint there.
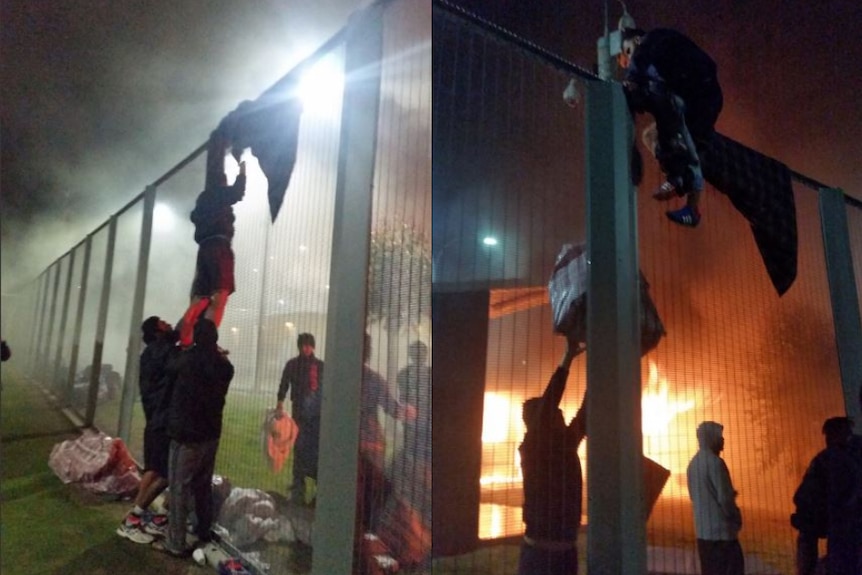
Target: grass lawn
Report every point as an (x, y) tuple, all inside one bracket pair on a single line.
[(48, 528)]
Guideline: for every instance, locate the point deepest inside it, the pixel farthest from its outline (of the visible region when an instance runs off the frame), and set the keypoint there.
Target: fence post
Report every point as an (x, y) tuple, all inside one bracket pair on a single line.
[(63, 321), (133, 349), (79, 319), (46, 365), (346, 315), (843, 294), (101, 324), (616, 542), (38, 319)]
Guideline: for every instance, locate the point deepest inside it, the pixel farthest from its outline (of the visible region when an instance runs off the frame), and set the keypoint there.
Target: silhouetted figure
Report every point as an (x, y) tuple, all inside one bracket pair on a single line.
[(553, 482), (828, 504), (213, 218), (374, 487), (303, 377), (670, 77), (194, 425), (155, 382), (5, 351), (717, 519)]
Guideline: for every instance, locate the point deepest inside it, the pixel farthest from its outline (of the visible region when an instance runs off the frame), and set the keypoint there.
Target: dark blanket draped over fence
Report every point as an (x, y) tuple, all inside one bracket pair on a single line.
[(760, 188)]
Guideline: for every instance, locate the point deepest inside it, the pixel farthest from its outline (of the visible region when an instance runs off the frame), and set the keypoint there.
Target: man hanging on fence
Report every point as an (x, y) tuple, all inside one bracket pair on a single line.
[(553, 482), (213, 218), (670, 77), (155, 381), (303, 376)]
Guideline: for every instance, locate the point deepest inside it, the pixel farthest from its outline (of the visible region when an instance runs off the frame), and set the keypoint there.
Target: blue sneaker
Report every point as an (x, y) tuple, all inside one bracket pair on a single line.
[(686, 216)]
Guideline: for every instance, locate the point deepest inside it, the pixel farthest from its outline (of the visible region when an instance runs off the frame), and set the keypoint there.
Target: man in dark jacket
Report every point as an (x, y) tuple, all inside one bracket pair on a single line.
[(155, 381), (303, 376), (194, 425), (553, 484), (213, 218), (670, 77), (828, 503)]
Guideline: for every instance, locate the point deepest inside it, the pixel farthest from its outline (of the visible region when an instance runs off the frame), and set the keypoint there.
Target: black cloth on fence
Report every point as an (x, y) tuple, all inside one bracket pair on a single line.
[(760, 188), (270, 127)]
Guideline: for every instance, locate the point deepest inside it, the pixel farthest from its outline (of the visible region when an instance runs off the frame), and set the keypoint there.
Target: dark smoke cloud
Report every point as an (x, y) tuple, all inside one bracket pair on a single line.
[(99, 98)]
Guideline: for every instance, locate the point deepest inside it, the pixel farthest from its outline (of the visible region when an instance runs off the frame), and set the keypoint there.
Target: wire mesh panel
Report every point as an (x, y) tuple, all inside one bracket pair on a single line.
[(67, 332), (92, 301), (508, 191), (114, 347), (395, 427), (854, 226), (508, 194)]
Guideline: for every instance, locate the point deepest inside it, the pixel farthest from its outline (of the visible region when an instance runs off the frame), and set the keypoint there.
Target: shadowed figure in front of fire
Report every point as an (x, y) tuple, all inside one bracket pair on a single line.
[(553, 481)]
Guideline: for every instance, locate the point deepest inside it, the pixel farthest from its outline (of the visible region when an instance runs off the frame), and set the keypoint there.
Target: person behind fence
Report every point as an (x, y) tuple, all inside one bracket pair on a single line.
[(155, 382), (194, 424), (553, 482), (670, 77), (213, 283), (414, 388), (374, 486), (828, 504), (303, 376), (717, 518)]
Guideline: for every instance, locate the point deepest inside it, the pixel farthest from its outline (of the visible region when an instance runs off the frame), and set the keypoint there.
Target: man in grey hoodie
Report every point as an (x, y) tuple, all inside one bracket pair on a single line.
[(717, 519)]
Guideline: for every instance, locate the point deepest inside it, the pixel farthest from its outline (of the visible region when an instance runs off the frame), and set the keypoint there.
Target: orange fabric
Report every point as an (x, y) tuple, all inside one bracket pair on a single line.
[(280, 439)]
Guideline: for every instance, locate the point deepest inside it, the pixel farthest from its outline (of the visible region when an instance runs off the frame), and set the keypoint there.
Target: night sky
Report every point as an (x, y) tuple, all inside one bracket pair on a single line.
[(98, 98)]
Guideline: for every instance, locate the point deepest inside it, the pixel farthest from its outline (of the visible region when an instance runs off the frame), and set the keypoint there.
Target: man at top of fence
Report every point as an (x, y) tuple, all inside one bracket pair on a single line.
[(670, 77), (213, 218)]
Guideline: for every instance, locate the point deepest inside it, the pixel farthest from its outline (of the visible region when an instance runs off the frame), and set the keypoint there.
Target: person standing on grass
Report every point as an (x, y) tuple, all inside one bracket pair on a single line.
[(303, 376), (194, 425), (717, 519), (155, 381)]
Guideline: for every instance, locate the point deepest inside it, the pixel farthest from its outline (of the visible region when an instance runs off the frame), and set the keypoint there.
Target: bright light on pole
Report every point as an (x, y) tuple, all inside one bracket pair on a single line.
[(164, 218), (321, 88), (490, 241)]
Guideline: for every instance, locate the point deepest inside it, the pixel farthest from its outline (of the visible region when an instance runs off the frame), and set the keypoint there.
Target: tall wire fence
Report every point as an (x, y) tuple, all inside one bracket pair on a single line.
[(510, 189), (77, 326)]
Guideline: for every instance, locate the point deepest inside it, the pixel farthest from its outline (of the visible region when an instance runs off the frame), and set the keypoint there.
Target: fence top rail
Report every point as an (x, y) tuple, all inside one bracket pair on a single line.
[(561, 63)]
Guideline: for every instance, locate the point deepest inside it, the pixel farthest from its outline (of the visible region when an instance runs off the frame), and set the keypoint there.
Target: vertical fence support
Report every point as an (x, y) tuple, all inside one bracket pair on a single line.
[(346, 315), (133, 349), (64, 320), (616, 542), (79, 319), (101, 324), (45, 372), (844, 295), (38, 317)]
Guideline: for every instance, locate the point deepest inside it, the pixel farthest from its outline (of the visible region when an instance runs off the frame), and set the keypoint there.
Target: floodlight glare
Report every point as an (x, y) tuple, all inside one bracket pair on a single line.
[(490, 241), (321, 88), (164, 218)]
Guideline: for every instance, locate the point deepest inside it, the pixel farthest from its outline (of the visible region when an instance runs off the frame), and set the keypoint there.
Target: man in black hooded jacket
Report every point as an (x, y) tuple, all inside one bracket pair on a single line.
[(195, 425), (553, 483), (670, 77)]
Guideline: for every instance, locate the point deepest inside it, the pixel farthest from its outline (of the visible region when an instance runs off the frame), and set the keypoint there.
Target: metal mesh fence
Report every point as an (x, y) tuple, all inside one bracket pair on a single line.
[(267, 504), (509, 191)]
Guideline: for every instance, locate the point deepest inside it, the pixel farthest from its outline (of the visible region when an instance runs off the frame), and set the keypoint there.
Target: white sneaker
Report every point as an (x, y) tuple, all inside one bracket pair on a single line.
[(134, 534)]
